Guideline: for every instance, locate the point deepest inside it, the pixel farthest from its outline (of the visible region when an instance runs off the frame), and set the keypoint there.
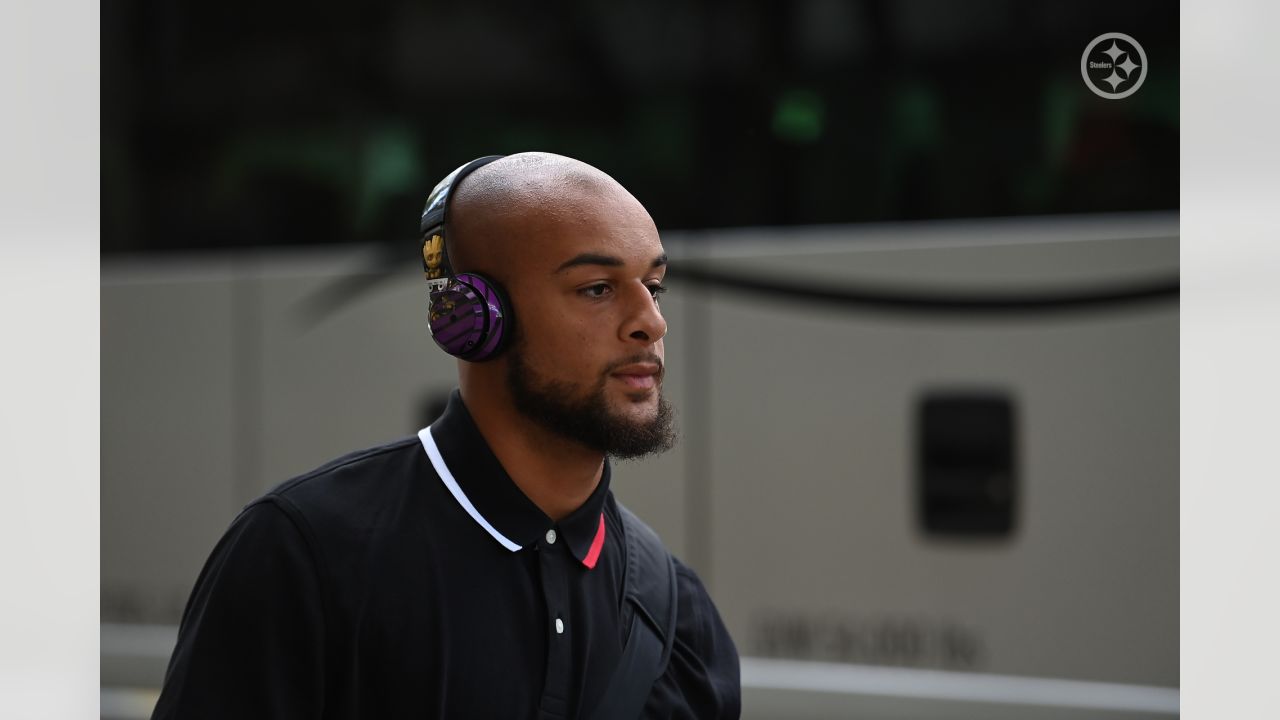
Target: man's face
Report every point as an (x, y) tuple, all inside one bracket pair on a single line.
[(587, 358)]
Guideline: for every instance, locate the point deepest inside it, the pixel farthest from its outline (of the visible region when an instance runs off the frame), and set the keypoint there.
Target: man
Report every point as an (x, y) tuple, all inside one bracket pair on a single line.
[(482, 568)]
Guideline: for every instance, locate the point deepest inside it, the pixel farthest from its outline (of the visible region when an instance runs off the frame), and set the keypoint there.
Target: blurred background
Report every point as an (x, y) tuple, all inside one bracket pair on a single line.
[(923, 311)]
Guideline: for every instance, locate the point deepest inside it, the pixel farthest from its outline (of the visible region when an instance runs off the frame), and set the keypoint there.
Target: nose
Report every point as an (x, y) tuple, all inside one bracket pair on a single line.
[(644, 322)]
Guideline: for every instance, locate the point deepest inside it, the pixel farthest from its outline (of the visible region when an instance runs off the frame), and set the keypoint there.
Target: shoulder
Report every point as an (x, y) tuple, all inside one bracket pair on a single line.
[(642, 538), (702, 678), (354, 499), (352, 467), (698, 623), (354, 481)]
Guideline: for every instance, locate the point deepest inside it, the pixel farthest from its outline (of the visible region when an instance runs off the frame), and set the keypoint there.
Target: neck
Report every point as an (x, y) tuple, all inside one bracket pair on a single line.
[(556, 473)]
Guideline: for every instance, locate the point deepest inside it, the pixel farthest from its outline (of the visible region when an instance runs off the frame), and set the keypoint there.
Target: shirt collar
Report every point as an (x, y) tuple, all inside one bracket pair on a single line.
[(477, 480)]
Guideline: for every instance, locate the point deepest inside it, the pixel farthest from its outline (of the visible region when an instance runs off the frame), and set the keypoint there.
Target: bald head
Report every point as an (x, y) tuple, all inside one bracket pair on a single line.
[(505, 209)]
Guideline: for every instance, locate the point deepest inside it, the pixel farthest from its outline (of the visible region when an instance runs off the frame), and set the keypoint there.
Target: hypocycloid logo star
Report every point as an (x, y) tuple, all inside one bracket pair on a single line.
[(1113, 65)]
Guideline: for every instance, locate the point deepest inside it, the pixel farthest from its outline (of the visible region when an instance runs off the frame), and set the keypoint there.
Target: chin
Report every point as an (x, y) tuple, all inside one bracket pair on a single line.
[(636, 409), (647, 397)]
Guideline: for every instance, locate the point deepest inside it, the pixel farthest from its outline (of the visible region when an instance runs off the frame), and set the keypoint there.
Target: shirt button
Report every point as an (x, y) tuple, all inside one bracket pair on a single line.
[(559, 626), (551, 537)]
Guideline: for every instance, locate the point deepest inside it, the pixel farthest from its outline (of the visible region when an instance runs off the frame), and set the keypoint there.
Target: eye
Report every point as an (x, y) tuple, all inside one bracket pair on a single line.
[(657, 289), (596, 291)]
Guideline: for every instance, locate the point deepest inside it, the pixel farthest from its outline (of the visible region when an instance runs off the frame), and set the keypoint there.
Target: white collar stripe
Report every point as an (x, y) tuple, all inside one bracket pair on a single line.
[(437, 461)]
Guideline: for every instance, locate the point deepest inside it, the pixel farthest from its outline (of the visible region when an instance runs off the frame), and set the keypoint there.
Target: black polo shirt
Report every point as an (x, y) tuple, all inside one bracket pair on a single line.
[(416, 580)]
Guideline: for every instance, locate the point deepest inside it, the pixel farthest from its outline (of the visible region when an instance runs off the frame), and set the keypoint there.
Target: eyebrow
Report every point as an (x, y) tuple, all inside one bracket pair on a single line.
[(605, 260)]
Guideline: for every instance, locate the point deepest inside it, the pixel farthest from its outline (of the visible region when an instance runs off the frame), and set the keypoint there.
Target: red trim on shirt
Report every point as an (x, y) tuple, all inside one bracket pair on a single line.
[(594, 553)]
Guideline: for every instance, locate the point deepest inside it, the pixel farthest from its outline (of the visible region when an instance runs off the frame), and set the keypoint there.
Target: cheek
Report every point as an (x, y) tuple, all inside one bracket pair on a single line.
[(552, 337), (555, 324), (577, 346)]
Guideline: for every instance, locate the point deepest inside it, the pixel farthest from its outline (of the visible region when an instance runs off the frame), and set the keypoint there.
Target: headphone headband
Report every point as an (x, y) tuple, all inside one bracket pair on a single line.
[(435, 218)]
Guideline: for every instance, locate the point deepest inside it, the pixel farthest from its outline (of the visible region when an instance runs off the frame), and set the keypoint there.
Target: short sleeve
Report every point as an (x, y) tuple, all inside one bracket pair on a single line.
[(252, 635), (702, 680)]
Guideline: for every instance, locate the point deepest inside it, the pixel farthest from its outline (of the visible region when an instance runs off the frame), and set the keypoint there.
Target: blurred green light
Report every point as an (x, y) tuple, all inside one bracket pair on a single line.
[(798, 116)]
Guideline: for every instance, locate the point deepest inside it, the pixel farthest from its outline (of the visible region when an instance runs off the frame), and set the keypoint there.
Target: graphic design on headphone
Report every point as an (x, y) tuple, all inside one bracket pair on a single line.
[(431, 255), (468, 313)]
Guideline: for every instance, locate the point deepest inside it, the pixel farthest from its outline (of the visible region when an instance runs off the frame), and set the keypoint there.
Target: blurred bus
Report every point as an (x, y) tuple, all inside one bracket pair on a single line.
[(927, 470)]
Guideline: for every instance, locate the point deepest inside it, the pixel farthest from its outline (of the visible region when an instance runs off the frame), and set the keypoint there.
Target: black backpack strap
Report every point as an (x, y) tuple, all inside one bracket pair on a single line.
[(649, 598)]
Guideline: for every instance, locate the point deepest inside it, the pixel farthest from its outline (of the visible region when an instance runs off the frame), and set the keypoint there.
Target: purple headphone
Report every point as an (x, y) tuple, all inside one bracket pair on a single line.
[(469, 312)]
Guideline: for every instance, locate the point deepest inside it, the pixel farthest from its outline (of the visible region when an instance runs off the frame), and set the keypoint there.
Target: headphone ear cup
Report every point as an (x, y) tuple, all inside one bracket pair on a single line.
[(470, 318)]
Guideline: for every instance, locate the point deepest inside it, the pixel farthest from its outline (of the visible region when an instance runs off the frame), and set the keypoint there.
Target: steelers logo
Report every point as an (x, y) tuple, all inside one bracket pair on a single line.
[(1113, 66)]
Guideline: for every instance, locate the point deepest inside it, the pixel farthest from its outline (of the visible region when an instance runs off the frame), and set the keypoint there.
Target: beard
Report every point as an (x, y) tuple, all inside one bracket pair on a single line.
[(588, 420)]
